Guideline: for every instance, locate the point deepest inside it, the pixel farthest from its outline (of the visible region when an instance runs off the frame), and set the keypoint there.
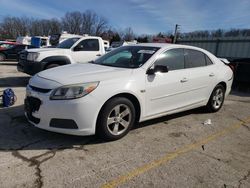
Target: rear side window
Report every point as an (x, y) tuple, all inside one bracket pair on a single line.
[(173, 59), (89, 45), (194, 58)]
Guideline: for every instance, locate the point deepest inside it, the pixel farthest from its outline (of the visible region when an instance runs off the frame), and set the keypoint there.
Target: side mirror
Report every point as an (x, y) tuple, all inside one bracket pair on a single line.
[(157, 68)]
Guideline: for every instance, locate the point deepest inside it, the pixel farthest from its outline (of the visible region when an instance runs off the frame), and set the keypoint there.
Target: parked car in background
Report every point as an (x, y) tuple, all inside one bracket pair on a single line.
[(24, 40), (72, 50), (117, 44), (128, 84), (12, 52), (6, 44), (106, 45)]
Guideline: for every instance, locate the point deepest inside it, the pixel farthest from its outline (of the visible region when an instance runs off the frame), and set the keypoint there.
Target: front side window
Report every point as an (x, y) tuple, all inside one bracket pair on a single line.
[(67, 44), (173, 59), (194, 58), (127, 56), (88, 45)]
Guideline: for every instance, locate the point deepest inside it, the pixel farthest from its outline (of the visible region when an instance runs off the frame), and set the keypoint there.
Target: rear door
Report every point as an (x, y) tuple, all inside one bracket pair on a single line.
[(86, 50), (201, 76)]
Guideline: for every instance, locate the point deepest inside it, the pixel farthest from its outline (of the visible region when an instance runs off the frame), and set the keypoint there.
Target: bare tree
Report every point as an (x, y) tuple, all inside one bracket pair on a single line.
[(128, 34), (13, 27), (55, 26), (72, 22), (100, 25), (88, 22), (93, 24), (217, 33)]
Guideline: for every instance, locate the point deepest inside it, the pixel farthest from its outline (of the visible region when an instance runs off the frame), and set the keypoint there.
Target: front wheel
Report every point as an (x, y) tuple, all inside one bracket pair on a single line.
[(216, 99), (116, 119), (2, 57), (52, 66)]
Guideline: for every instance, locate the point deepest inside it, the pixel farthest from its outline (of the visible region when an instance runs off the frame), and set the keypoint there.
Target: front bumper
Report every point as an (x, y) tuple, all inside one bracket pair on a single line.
[(29, 67), (74, 117)]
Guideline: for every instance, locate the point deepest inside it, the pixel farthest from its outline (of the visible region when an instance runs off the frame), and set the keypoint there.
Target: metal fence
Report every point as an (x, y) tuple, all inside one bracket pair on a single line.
[(237, 50), (231, 48)]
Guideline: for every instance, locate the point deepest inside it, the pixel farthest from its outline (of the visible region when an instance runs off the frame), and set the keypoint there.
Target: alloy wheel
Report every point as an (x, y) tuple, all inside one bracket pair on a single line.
[(218, 98), (119, 119)]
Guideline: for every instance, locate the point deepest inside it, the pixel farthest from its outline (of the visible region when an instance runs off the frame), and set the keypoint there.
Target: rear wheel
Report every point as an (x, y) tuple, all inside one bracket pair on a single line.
[(2, 57), (216, 99), (116, 119)]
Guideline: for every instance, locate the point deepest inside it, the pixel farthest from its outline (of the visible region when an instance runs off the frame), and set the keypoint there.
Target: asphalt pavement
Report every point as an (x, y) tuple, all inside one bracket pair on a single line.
[(172, 151)]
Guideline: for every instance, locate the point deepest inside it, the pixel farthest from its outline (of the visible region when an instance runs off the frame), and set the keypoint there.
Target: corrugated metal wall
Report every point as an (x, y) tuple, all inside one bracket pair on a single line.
[(231, 48)]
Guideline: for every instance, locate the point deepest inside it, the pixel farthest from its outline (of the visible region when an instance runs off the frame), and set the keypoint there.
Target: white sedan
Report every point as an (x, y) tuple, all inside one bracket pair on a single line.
[(128, 85)]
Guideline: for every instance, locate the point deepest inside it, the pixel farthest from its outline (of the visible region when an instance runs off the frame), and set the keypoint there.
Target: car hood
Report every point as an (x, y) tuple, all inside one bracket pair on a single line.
[(86, 72)]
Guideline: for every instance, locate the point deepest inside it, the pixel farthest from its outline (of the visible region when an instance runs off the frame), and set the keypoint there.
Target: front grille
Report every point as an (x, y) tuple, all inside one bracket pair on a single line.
[(23, 55), (41, 90), (32, 104)]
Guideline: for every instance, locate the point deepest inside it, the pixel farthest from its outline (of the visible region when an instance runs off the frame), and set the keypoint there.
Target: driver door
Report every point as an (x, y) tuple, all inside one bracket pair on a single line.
[(86, 50), (167, 91)]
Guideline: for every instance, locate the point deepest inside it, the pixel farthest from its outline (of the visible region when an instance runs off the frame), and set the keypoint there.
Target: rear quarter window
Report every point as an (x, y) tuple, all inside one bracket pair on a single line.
[(194, 58), (208, 60)]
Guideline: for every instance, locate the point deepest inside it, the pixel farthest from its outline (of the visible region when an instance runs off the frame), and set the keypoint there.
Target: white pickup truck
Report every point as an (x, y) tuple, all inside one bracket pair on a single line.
[(72, 50)]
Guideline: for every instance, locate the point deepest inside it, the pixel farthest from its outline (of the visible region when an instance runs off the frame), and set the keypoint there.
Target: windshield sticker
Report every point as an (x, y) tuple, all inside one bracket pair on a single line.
[(146, 52)]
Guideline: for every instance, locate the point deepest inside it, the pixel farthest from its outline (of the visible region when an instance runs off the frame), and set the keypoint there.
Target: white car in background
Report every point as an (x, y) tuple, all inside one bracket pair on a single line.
[(129, 84)]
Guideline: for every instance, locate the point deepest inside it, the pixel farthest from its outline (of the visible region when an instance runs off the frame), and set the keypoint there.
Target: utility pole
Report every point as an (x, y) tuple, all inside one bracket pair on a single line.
[(175, 32)]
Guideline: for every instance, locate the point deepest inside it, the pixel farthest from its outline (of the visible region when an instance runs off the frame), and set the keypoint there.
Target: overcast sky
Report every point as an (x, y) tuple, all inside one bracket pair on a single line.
[(144, 16)]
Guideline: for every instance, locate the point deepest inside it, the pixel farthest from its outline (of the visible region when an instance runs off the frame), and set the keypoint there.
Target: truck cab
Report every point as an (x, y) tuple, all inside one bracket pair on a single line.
[(72, 50)]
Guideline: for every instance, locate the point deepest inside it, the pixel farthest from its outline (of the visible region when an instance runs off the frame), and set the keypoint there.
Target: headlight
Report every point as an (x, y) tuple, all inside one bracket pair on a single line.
[(73, 91), (32, 56)]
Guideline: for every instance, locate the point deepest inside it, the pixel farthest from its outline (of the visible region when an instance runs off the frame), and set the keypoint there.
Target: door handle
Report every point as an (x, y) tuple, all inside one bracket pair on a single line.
[(211, 74), (184, 80), (98, 55)]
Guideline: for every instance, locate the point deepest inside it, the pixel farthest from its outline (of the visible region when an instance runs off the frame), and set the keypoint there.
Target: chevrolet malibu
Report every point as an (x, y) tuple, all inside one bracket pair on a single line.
[(127, 85)]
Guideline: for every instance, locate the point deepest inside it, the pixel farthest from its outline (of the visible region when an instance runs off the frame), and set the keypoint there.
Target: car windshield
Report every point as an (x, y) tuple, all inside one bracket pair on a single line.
[(127, 56), (68, 43)]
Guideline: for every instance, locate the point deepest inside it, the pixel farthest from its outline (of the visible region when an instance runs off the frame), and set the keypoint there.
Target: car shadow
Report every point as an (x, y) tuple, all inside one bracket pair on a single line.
[(240, 92), (17, 81), (165, 119), (16, 133), (9, 64)]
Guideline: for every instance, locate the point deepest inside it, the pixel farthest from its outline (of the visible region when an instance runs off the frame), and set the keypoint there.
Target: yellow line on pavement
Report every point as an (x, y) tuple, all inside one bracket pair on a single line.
[(170, 156)]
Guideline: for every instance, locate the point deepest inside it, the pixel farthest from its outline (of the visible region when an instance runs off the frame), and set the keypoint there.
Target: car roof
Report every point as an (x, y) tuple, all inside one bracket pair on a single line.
[(168, 45)]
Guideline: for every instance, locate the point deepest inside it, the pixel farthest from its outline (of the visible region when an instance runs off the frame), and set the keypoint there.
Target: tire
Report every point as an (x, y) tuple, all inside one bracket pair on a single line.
[(2, 57), (115, 119), (52, 66), (216, 99)]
